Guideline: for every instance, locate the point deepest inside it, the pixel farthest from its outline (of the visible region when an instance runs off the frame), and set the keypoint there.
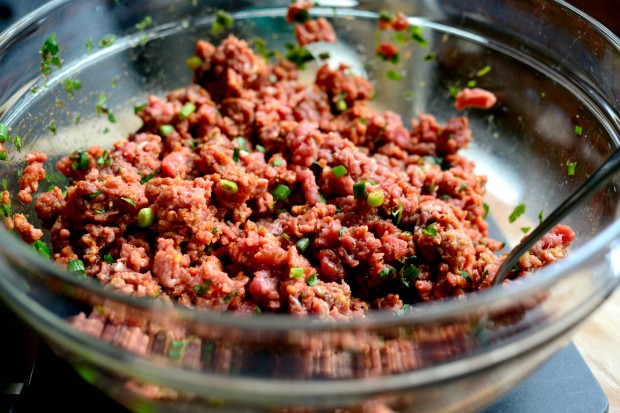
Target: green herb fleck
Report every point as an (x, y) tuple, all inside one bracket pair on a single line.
[(465, 274), (430, 230), (4, 133), (571, 166), (484, 71), (324, 55), (359, 189), (341, 103), (148, 177), (42, 249), (303, 244), (109, 258), (394, 75), (194, 62), (402, 310), (298, 55), (94, 194), (81, 161), (76, 266), (429, 57), (486, 210), (516, 213), (540, 216), (398, 214), (17, 141), (471, 84), (525, 230), (223, 21), (235, 156), (49, 55), (375, 198), (72, 85), (146, 22), (312, 280), (409, 274), (104, 159), (107, 41), (578, 130), (129, 201), (341, 231), (261, 48), (89, 45), (417, 35), (277, 162), (386, 271)]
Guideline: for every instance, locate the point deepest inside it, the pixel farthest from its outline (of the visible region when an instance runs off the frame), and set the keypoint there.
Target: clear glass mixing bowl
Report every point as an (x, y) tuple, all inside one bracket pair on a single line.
[(554, 72)]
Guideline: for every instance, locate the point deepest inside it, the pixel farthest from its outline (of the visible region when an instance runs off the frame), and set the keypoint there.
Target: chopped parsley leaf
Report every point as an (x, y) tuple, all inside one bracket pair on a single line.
[(223, 21), (146, 22), (394, 75), (49, 55), (578, 130), (72, 86), (417, 35), (312, 280), (298, 55), (516, 213), (42, 249), (107, 41), (430, 230), (148, 177), (540, 216), (571, 166)]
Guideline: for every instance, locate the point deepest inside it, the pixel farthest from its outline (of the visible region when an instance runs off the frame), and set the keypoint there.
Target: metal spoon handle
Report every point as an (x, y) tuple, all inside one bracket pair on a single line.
[(590, 186)]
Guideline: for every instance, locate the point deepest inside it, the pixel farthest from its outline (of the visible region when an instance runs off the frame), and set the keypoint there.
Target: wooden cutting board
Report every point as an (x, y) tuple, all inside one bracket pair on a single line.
[(598, 341)]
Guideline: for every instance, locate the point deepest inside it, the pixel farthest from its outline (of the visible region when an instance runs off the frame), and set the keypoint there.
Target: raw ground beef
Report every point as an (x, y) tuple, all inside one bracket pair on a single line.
[(252, 192), (334, 209)]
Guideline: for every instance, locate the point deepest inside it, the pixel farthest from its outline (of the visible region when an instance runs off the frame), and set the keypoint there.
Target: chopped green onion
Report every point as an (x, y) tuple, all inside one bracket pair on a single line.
[(540, 216), (471, 84), (375, 198), (430, 230), (341, 231), (516, 213), (235, 156), (260, 148), (296, 272), (525, 230), (324, 55), (177, 349), (109, 258), (194, 62), (89, 45), (281, 192), (277, 162), (312, 280), (166, 130), (42, 249), (359, 189), (229, 187), (242, 142), (76, 266), (145, 217), (402, 310), (387, 270), (485, 70), (486, 210), (571, 167), (341, 103), (3, 156), (286, 237), (303, 244), (187, 110), (340, 171), (4, 133)]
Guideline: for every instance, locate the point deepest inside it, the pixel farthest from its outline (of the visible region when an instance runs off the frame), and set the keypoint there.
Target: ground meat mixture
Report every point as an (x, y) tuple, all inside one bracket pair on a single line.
[(249, 191)]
